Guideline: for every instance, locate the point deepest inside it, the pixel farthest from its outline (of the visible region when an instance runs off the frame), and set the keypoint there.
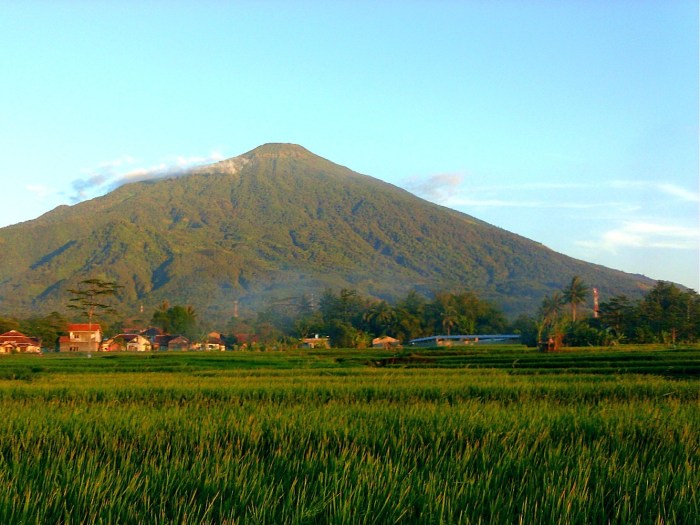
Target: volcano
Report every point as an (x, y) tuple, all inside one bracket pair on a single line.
[(270, 226)]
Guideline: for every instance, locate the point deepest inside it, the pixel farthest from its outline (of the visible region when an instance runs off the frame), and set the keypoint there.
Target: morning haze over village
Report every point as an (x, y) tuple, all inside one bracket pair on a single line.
[(418, 262)]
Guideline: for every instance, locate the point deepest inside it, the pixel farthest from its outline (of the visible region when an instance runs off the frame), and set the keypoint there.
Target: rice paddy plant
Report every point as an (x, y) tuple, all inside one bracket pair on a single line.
[(347, 445)]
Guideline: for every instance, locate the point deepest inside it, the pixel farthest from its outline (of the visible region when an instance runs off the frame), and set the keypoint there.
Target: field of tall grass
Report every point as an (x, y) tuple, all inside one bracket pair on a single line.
[(458, 436)]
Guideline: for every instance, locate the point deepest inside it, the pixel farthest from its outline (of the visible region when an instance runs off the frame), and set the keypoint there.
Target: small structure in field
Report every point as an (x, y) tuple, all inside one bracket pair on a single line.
[(551, 344), (463, 340), (385, 342), (315, 342)]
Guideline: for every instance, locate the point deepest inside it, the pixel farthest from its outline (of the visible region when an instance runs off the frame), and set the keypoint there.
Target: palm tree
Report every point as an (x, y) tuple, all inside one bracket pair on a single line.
[(191, 314), (575, 294), (551, 306), (550, 310), (449, 320), (380, 316)]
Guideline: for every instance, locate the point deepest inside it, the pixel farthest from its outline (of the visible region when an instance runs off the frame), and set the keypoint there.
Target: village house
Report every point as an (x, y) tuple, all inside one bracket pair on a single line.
[(179, 343), (160, 341), (16, 342), (150, 333), (85, 337), (88, 337), (215, 342), (138, 344), (245, 340), (127, 342)]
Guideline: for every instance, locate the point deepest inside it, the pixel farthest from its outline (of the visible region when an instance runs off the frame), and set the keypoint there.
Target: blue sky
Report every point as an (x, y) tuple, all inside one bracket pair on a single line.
[(571, 123)]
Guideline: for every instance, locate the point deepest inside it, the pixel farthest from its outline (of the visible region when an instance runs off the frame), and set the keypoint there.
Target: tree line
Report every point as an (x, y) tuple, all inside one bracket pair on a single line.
[(665, 314), (351, 320)]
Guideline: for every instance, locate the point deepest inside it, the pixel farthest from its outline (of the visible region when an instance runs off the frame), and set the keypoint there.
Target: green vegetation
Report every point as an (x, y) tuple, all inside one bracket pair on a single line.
[(91, 297), (351, 320), (274, 223), (477, 435), (176, 320), (666, 314), (575, 294), (45, 328)]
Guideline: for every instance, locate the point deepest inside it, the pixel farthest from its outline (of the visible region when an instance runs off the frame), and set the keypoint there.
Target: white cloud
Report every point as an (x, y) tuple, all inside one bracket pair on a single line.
[(435, 187), (109, 175), (611, 200), (458, 201), (446, 185), (41, 191), (646, 226), (679, 192), (673, 190), (645, 235)]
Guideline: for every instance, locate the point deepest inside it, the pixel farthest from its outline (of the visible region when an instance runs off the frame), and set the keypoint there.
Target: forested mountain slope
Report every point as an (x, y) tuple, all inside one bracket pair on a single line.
[(269, 226)]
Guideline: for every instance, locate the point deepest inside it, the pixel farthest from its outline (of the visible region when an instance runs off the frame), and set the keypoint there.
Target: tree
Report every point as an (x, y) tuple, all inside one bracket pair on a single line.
[(551, 307), (8, 324), (91, 297), (671, 313), (475, 315), (550, 311), (527, 327), (306, 305), (379, 318), (347, 306), (409, 326), (411, 318), (574, 294), (47, 328), (619, 316), (176, 320), (449, 320), (413, 303), (344, 335), (462, 312), (305, 325)]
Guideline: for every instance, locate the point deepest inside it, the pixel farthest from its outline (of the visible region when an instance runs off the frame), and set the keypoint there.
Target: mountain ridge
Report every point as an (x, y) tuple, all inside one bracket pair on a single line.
[(275, 222)]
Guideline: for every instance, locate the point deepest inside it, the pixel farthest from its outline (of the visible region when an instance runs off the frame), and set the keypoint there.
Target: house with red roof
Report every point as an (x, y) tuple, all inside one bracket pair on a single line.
[(127, 342), (82, 337), (16, 342), (179, 343), (214, 341)]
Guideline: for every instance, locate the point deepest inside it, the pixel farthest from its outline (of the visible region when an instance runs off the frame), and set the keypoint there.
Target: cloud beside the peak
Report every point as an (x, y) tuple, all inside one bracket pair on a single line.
[(436, 186), (41, 191), (645, 235), (112, 174)]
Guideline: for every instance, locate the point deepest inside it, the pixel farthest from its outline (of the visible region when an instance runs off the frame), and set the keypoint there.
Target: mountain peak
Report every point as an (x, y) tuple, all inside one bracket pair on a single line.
[(279, 150), (278, 222)]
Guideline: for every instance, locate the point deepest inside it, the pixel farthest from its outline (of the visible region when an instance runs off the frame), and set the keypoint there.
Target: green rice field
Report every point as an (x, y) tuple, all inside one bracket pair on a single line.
[(470, 435)]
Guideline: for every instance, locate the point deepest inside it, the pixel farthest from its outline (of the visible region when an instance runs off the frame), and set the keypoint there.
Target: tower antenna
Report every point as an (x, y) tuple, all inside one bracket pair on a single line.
[(595, 303)]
